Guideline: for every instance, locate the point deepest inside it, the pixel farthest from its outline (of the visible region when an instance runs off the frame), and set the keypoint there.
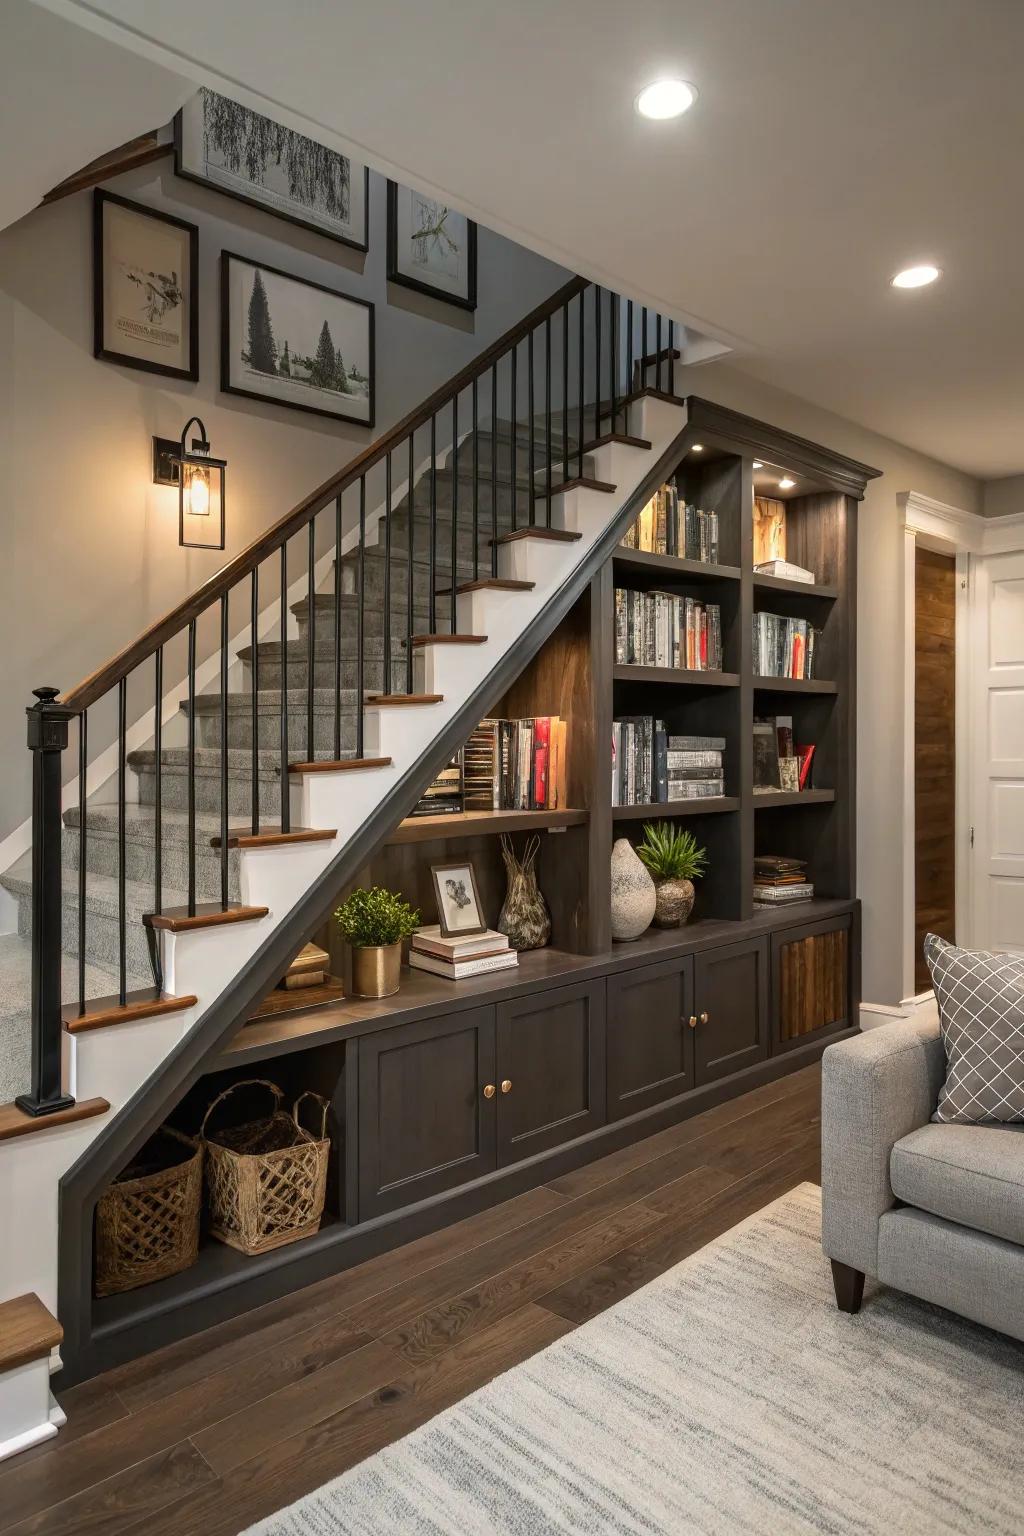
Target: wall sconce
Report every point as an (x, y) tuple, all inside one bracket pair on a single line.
[(200, 481)]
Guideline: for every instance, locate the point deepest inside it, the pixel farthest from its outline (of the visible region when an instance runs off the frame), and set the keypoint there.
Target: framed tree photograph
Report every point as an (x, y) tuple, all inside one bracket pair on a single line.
[(222, 144), (295, 343), (431, 247), (145, 288)]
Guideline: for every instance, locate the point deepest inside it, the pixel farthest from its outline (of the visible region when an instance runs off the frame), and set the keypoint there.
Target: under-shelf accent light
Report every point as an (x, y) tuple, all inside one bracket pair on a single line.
[(200, 481), (696, 447), (915, 277), (758, 464), (786, 483), (665, 99)]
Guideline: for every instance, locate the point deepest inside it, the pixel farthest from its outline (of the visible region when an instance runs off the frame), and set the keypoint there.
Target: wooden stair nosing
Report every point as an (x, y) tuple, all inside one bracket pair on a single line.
[(273, 837), (339, 764), (28, 1332), (488, 584), (421, 640), (578, 482), (624, 438), (535, 531), (103, 1011), (14, 1121), (208, 914), (652, 359), (400, 700), (647, 393)]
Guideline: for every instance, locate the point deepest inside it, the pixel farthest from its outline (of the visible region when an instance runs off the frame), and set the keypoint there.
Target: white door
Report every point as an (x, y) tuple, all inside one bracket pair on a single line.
[(998, 918)]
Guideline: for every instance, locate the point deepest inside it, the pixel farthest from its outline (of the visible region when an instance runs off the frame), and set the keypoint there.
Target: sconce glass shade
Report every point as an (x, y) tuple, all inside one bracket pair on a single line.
[(202, 497)]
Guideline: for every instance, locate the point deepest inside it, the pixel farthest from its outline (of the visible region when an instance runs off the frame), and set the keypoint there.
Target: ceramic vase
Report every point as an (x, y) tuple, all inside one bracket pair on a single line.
[(673, 902), (633, 894), (524, 914)]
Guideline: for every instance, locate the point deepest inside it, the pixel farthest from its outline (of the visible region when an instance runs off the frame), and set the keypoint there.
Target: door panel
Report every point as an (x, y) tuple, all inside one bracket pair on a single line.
[(731, 1003), (650, 1043), (998, 756), (810, 982), (551, 1056), (424, 1123)]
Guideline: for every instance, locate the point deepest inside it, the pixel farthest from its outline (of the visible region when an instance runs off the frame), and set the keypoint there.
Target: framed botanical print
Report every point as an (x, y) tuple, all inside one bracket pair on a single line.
[(431, 247), (145, 288), (295, 343), (222, 144), (458, 900)]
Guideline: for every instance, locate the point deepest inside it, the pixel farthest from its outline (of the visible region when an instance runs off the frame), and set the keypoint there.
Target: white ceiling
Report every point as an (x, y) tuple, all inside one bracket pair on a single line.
[(834, 141)]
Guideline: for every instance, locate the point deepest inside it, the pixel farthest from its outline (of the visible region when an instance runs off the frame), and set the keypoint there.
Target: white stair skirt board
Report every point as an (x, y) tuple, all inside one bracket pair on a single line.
[(25, 1408), (116, 1063)]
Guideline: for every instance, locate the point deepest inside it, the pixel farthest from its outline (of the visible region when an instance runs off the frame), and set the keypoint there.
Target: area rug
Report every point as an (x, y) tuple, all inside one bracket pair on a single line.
[(728, 1396)]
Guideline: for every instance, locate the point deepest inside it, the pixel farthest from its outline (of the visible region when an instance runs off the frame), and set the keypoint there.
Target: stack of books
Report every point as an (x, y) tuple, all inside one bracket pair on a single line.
[(650, 767), (667, 526), (516, 765), (658, 629), (783, 647), (779, 881), (779, 763), (473, 955), (444, 796), (308, 969)]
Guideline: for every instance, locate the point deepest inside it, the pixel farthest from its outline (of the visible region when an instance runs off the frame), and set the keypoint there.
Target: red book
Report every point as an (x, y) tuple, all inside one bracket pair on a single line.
[(805, 756), (541, 759)]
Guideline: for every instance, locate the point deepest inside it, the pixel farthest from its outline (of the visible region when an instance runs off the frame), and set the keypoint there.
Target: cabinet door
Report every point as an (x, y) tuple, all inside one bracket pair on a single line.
[(425, 1124), (650, 1043), (731, 1002), (550, 1069), (810, 982)]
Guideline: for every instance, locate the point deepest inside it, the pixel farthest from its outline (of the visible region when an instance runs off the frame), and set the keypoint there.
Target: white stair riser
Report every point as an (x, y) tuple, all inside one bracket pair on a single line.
[(358, 790), (107, 1063), (32, 1168), (488, 611), (401, 731), (25, 1408), (449, 669)]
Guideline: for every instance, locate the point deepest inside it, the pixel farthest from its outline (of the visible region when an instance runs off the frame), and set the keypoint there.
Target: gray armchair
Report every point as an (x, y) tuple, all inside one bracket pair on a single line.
[(936, 1210)]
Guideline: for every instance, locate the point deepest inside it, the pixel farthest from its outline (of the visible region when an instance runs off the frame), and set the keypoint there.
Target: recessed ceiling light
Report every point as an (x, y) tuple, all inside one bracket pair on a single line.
[(915, 277), (786, 483), (696, 447), (758, 464), (665, 98)]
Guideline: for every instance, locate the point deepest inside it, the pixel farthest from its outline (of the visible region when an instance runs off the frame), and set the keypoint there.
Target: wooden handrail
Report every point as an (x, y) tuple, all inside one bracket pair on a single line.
[(145, 645)]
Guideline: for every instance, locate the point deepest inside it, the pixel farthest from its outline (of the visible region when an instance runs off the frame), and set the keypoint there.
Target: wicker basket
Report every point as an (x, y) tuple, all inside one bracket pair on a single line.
[(147, 1222), (266, 1181)]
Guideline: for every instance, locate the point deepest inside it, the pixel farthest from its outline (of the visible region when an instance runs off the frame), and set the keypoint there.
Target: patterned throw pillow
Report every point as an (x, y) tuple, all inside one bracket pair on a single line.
[(981, 1012)]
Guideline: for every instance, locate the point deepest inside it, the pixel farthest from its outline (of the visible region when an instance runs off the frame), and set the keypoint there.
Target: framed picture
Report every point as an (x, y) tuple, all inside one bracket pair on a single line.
[(222, 144), (145, 288), (458, 900), (431, 247), (295, 343)]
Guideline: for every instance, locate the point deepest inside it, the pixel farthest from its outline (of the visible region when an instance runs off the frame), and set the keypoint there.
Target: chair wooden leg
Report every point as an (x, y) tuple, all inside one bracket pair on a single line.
[(849, 1284)]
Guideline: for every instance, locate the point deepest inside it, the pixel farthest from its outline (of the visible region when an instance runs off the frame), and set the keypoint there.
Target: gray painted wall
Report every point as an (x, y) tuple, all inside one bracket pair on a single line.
[(90, 545), (1004, 498)]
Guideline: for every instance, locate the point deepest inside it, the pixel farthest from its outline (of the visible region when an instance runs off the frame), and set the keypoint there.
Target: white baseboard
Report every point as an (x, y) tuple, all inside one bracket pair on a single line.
[(921, 1007)]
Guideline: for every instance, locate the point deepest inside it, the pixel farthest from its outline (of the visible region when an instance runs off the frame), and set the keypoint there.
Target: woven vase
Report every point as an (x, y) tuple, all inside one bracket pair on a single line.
[(524, 913)]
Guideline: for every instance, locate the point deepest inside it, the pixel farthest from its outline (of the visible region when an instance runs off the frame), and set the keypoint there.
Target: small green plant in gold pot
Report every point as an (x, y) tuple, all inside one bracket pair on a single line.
[(674, 860), (374, 922)]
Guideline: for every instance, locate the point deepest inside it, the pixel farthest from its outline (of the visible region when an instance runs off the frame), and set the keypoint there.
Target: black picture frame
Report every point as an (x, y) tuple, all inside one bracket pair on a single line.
[(437, 871), (256, 202), (416, 284), (101, 201), (226, 258)]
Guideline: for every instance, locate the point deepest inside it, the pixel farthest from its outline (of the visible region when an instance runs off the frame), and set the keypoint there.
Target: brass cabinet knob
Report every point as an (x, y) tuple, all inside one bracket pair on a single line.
[(692, 1021), (506, 1086), (488, 1090), (703, 1018)]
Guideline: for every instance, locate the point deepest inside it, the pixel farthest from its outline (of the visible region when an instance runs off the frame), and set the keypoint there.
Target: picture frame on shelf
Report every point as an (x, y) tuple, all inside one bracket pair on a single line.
[(145, 288), (431, 247), (221, 144), (296, 343), (459, 910)]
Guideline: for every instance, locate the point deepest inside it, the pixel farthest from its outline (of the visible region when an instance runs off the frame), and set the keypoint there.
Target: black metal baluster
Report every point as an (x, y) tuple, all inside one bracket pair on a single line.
[(613, 355), (642, 380), (532, 451), (547, 418), (432, 552), (311, 639), (191, 823), (566, 471), (337, 628), (671, 357), (83, 764), (513, 395), (285, 781), (411, 580), (254, 691), (386, 668), (455, 509), (475, 414), (657, 351), (224, 750), (629, 355), (361, 617), (597, 361), (581, 427), (158, 737)]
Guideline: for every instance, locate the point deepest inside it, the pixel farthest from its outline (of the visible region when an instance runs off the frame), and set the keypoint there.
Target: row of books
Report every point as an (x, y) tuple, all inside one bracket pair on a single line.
[(650, 767), (669, 526), (780, 881), (516, 765), (657, 629), (780, 763), (472, 955), (444, 796), (784, 647)]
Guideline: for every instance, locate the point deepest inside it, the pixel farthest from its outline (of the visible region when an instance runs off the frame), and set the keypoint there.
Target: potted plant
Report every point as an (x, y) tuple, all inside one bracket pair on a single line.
[(374, 923), (675, 861)]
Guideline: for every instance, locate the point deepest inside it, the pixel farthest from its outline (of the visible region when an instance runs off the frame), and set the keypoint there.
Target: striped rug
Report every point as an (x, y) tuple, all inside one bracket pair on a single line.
[(728, 1396)]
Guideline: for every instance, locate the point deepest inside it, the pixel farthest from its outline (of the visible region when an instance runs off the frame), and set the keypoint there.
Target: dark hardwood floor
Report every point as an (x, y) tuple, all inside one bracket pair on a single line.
[(214, 1433)]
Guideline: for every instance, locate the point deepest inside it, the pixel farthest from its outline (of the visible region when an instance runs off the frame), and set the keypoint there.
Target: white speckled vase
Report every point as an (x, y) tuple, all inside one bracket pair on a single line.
[(633, 894)]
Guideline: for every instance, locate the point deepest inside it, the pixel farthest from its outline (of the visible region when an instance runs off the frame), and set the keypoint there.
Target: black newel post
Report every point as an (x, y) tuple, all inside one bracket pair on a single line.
[(47, 739)]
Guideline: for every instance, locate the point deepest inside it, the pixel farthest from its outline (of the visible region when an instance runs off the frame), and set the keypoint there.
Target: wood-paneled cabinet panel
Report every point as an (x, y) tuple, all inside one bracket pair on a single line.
[(810, 982), (731, 1003), (425, 1124), (550, 1069), (650, 1042)]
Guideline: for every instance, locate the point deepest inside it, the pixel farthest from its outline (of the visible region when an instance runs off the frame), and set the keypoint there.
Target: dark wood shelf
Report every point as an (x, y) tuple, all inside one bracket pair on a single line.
[(796, 588), (679, 676), (667, 809), (794, 685), (771, 800), (422, 829), (643, 563)]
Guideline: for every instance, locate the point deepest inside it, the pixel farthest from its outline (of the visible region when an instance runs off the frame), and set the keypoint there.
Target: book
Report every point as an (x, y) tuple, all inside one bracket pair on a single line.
[(784, 569), (304, 979), (783, 646), (443, 797), (459, 970), (431, 940), (766, 757), (805, 758), (660, 629), (541, 761), (696, 743)]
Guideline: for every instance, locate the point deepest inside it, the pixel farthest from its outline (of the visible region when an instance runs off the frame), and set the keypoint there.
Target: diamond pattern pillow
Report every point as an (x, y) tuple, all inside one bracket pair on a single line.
[(981, 1013)]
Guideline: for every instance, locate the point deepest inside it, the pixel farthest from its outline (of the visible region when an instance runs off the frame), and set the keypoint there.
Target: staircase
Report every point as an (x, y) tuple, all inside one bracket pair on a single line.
[(308, 715)]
